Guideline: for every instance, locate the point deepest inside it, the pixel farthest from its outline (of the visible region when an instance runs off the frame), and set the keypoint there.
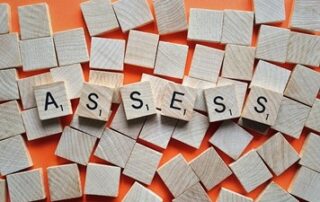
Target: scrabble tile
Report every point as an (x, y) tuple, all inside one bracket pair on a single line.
[(303, 49), (5, 18), (10, 120), (9, 51), (132, 14), (178, 101), (99, 16), (274, 192), (254, 126), (237, 27), (203, 58), (52, 100), (210, 168), (34, 21), (102, 180), (238, 62), (269, 11), (230, 196), (114, 148), (194, 193), (303, 85), (170, 16), (3, 190), (171, 59), (192, 132), (310, 157), (14, 155), (231, 139), (64, 182), (250, 171), (142, 164), (73, 78), (205, 25), (8, 85), (141, 49), (313, 121), (26, 186), (272, 43), (107, 54), (38, 54), (138, 192), (35, 128), (291, 117), (305, 184)]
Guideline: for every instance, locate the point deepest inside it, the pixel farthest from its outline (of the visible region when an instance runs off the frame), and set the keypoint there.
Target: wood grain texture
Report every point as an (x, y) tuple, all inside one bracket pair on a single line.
[(230, 196), (250, 171), (273, 192), (5, 18), (142, 164), (3, 189), (102, 180), (64, 182), (194, 193), (269, 11), (75, 146), (171, 59), (177, 175), (114, 148), (231, 139), (26, 186), (310, 153), (254, 126), (313, 121), (9, 51), (99, 16), (138, 192), (205, 25), (8, 85)]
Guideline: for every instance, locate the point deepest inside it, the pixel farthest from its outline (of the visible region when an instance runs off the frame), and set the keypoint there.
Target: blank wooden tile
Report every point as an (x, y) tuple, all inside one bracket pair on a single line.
[(26, 186), (205, 25), (35, 128), (5, 18), (75, 146), (132, 14), (99, 16), (102, 180), (310, 153), (34, 21), (303, 85), (250, 171), (291, 118), (114, 148), (138, 192), (231, 196), (193, 131), (171, 59), (203, 58), (170, 16), (231, 139), (210, 168), (14, 155), (142, 164), (313, 121), (3, 190), (64, 182), (8, 85), (9, 51), (269, 11), (273, 192), (194, 193), (272, 43), (237, 27)]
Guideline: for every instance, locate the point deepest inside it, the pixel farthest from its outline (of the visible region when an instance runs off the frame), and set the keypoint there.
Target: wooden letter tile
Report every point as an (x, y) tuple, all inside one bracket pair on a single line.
[(8, 85), (9, 51), (275, 193), (194, 193), (310, 153), (271, 11), (313, 121), (5, 18), (3, 190), (230, 196), (139, 193)]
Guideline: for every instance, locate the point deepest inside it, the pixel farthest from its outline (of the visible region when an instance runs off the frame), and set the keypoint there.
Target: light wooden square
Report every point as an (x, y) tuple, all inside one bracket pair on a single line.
[(250, 171), (102, 180), (3, 190), (194, 193), (231, 196), (99, 16), (5, 18), (310, 153), (26, 186), (271, 11), (8, 85), (9, 51), (203, 58), (273, 192), (205, 25), (138, 192), (237, 27), (132, 14), (89, 126), (171, 59), (75, 146), (62, 178), (142, 164), (313, 121)]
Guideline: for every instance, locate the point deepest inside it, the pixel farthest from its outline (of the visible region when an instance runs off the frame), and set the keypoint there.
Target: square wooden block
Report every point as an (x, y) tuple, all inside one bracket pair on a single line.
[(34, 21), (313, 121), (254, 126), (237, 27), (228, 195), (171, 59), (310, 153), (205, 25), (9, 51), (203, 58), (271, 11), (5, 18), (62, 178), (132, 14), (178, 101), (138, 192), (141, 49), (273, 192), (102, 180), (99, 16), (26, 186), (142, 164), (8, 85), (114, 148), (250, 171), (194, 193), (272, 43), (3, 190)]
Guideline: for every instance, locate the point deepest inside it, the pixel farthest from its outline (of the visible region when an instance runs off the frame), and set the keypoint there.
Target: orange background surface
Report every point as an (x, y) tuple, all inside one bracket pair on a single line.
[(66, 14)]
